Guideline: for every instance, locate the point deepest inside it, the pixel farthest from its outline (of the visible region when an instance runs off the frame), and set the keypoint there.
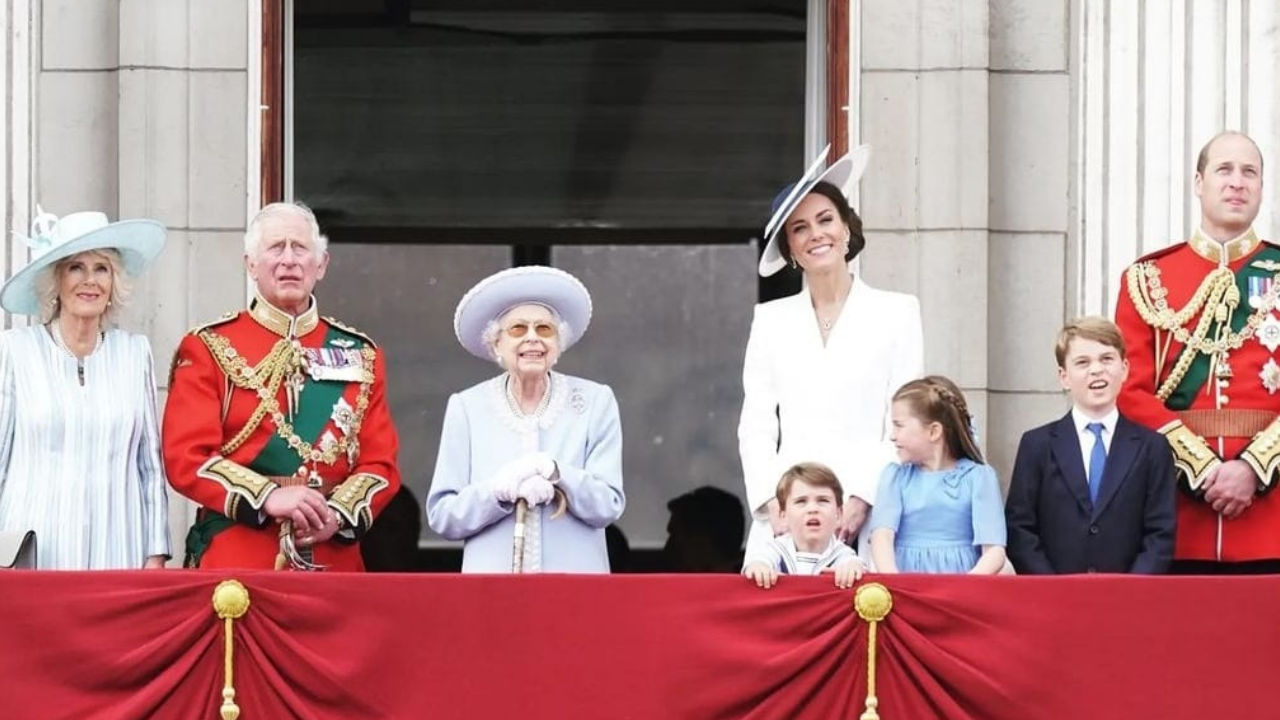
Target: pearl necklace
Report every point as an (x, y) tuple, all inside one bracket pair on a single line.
[(56, 331), (514, 403)]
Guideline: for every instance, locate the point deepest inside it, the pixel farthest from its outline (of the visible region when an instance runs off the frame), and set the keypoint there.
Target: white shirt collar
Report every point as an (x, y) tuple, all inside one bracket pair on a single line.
[(1082, 421)]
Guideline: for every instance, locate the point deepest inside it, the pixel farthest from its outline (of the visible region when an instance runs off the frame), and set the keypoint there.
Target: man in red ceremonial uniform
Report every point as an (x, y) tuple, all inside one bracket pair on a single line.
[(277, 421), (1202, 327)]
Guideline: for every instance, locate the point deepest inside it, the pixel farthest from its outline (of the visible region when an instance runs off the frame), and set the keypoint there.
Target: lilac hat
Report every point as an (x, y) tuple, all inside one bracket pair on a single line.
[(528, 285)]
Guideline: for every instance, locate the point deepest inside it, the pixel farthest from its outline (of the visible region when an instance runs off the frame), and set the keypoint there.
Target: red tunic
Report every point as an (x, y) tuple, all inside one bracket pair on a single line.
[(210, 460), (1201, 441)]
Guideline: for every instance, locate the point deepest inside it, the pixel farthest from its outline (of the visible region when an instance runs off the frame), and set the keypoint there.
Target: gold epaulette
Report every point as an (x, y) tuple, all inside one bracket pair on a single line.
[(347, 328), (1191, 454), (225, 318), (1263, 455)]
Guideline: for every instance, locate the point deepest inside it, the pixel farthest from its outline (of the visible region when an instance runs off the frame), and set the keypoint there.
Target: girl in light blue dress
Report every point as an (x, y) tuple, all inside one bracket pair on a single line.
[(939, 510)]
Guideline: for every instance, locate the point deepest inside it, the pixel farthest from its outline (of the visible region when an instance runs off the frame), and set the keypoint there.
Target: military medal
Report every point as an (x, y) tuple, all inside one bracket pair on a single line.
[(1259, 286), (1270, 376), (327, 442), (1222, 369), (1269, 332), (343, 415), (335, 364)]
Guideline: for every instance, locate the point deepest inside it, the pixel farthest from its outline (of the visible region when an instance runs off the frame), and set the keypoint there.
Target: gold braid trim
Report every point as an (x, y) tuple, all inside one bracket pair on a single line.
[(268, 375), (241, 483), (1217, 293), (1146, 275), (353, 498), (1191, 454), (265, 379), (1263, 454)]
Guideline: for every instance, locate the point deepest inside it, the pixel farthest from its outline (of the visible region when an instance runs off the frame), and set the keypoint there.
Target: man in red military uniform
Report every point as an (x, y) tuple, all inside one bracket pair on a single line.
[(277, 421), (1202, 327)]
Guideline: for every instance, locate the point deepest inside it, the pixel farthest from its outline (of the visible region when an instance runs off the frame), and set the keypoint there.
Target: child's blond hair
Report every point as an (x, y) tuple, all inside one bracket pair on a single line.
[(1092, 327)]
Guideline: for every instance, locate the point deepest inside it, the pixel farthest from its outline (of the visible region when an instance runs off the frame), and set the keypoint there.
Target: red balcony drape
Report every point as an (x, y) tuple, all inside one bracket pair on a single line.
[(329, 645)]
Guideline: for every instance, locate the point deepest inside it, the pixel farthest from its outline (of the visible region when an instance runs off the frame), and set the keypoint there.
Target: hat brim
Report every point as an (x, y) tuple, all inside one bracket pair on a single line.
[(137, 241), (842, 173), (527, 285)]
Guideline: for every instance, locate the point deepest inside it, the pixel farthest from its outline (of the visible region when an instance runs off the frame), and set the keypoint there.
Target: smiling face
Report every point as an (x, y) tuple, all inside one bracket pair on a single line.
[(816, 236), (1229, 186), (811, 513), (287, 264), (84, 284), (528, 340), (1092, 372)]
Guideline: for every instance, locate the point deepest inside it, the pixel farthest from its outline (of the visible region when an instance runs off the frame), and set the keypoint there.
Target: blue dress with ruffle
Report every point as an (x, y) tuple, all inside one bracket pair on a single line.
[(940, 518)]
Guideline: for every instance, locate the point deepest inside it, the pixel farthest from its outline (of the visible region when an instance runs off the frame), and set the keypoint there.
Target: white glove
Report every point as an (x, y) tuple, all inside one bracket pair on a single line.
[(505, 483), (537, 490), (544, 465)]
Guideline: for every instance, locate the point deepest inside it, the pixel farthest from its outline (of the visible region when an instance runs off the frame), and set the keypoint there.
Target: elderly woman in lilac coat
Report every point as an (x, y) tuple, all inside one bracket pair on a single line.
[(532, 434)]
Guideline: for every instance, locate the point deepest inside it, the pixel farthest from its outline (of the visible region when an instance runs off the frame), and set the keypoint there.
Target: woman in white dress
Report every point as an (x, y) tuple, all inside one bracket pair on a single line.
[(821, 366), (79, 443)]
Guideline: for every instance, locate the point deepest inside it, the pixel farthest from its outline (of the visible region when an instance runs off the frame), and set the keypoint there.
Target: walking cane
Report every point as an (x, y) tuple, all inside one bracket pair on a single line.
[(517, 537), (518, 534)]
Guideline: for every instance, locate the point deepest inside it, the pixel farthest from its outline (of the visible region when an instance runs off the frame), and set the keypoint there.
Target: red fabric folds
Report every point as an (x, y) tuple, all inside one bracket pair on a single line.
[(335, 645)]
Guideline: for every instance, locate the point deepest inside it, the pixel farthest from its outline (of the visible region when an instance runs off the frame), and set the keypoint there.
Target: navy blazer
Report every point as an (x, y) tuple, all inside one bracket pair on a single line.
[(1053, 526)]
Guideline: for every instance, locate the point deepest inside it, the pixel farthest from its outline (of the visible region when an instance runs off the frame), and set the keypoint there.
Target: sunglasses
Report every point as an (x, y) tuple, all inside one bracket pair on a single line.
[(543, 330)]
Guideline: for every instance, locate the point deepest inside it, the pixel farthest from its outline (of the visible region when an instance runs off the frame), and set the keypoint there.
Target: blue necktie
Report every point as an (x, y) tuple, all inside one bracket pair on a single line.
[(1097, 460)]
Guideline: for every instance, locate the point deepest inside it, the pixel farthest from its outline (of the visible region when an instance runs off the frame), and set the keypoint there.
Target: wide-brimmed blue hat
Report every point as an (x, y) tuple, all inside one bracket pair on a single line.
[(528, 285), (841, 173), (53, 238)]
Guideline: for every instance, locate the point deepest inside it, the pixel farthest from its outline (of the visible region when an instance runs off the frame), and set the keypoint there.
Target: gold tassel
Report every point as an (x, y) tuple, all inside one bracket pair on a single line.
[(873, 603), (230, 602)]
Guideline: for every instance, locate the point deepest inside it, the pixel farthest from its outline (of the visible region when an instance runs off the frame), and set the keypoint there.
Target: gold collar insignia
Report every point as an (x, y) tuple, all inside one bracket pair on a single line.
[(1227, 252), (282, 323)]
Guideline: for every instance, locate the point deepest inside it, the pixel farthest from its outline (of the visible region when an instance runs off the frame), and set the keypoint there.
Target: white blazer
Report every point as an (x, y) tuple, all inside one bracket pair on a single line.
[(829, 403)]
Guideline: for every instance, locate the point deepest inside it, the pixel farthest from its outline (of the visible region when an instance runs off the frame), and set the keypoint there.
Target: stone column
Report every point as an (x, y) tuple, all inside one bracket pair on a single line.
[(924, 109), (1030, 136)]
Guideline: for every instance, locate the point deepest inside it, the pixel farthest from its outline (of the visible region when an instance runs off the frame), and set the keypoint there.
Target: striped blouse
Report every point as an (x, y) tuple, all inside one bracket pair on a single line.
[(80, 464)]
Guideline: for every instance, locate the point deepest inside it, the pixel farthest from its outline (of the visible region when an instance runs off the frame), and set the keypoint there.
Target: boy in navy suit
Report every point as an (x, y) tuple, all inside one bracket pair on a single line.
[(1092, 491)]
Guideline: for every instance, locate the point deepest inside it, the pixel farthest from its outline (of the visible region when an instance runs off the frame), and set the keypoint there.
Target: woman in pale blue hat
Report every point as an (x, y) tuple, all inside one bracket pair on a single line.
[(529, 472), (821, 366), (79, 442)]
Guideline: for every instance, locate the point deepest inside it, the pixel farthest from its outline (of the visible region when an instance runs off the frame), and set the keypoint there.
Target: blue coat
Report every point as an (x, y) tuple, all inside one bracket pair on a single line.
[(1053, 526), (579, 428)]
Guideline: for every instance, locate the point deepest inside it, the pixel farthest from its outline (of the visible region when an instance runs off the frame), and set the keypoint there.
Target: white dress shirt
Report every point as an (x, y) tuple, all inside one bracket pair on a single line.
[(1086, 436)]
